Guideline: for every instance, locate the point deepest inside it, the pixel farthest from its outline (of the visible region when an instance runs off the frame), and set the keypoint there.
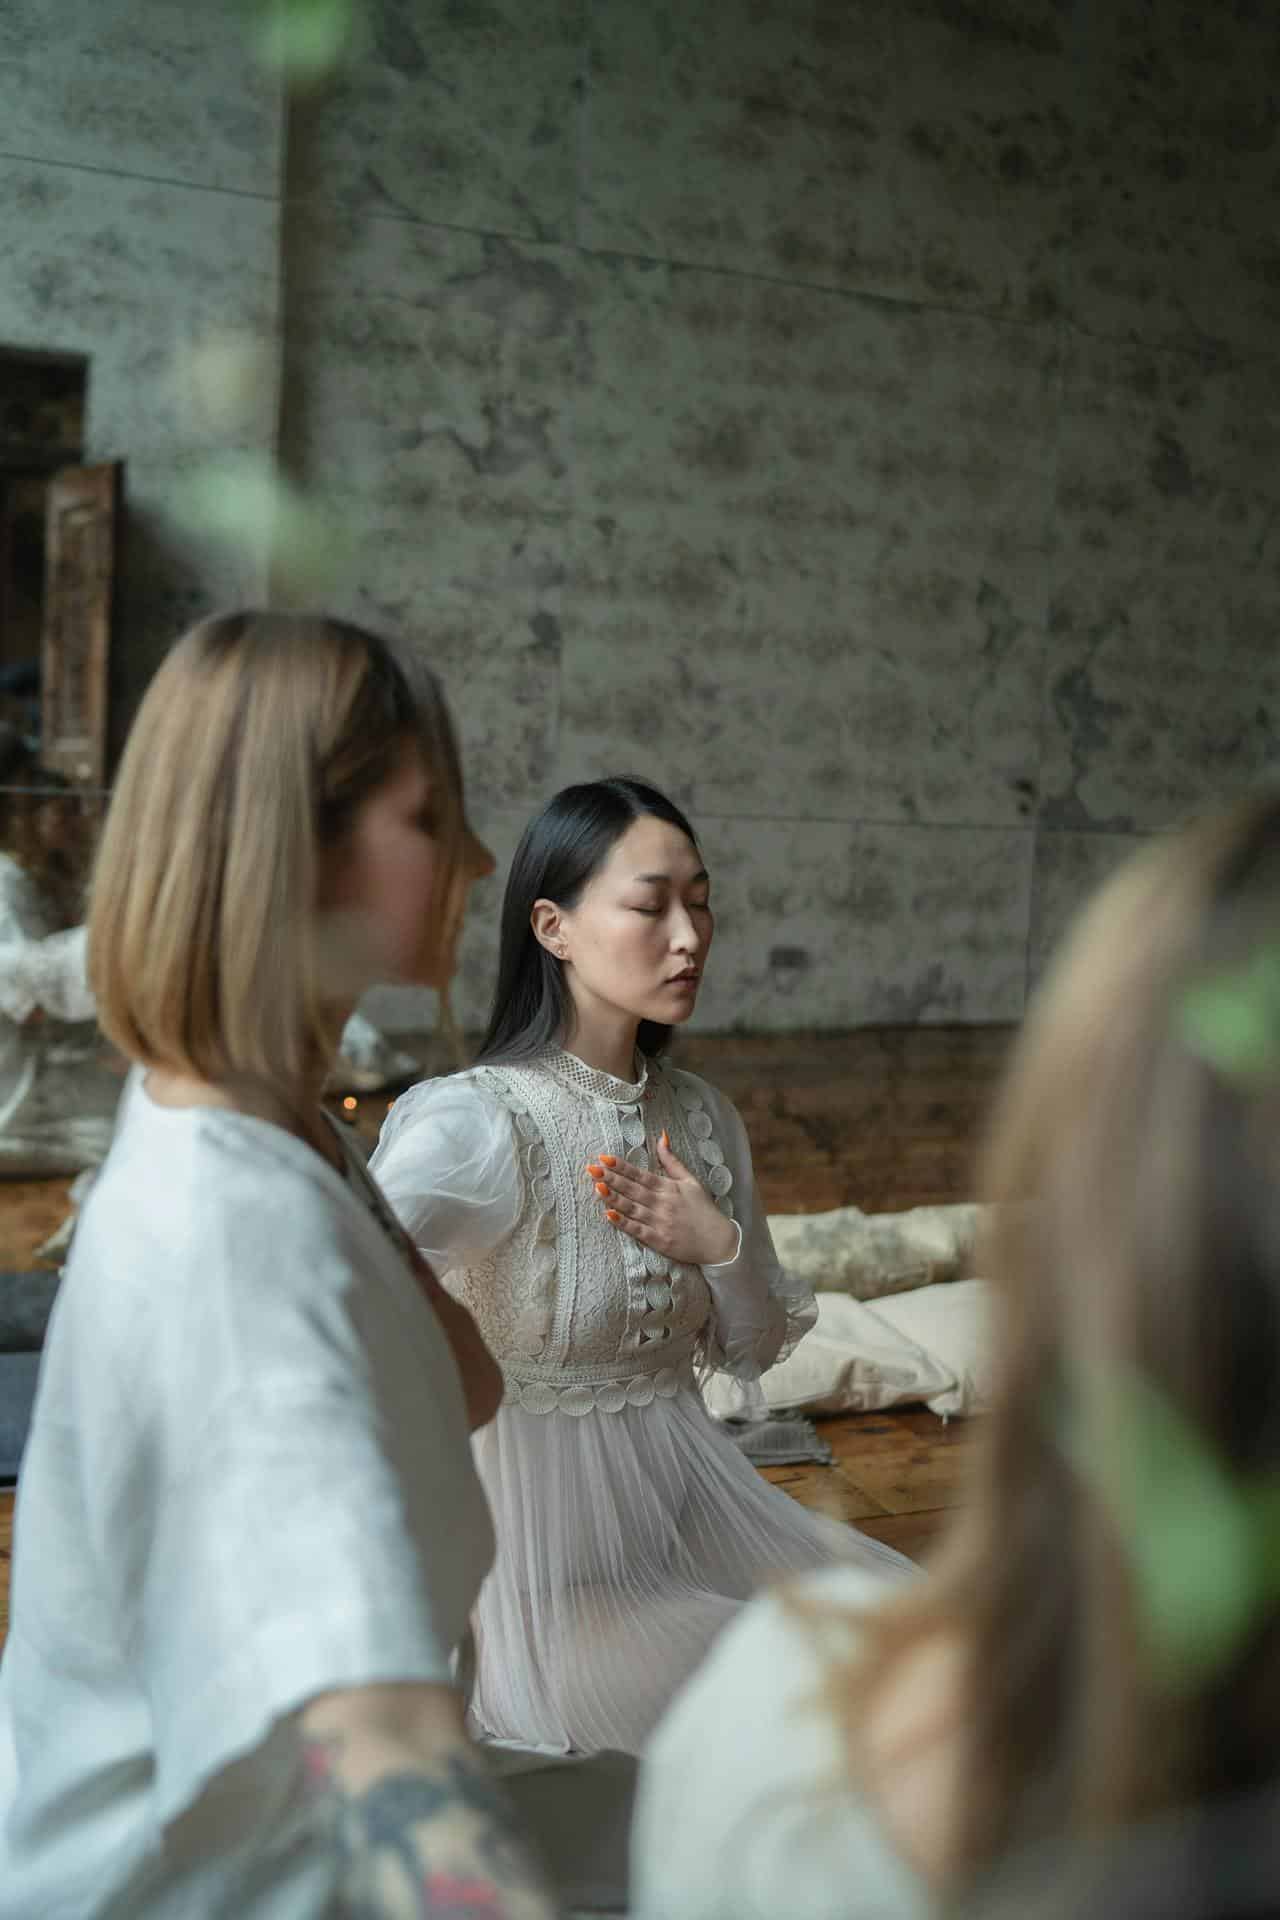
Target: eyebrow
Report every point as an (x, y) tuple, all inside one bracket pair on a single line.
[(664, 879)]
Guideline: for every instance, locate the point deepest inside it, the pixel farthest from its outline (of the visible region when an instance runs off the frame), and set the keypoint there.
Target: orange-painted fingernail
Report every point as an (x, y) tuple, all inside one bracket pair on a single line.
[(602, 1189), (608, 1160), (609, 1214), (597, 1173), (666, 1138)]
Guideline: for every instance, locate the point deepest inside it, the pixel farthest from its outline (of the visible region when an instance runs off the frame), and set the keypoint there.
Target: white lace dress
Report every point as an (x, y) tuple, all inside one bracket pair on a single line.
[(58, 1094), (630, 1527)]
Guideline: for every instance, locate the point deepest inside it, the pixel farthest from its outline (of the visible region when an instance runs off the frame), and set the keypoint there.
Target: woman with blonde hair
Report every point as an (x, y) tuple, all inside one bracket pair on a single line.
[(248, 1532), (1094, 1656)]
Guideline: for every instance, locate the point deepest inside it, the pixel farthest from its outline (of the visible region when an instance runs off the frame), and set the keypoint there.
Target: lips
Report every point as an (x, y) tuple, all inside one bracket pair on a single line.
[(689, 978)]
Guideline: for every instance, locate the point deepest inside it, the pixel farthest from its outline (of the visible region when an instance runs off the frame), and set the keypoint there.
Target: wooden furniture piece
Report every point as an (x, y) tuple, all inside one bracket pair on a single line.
[(81, 534)]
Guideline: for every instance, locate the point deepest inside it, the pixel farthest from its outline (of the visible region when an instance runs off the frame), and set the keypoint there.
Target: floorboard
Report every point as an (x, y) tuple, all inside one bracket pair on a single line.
[(896, 1475), (883, 1119)]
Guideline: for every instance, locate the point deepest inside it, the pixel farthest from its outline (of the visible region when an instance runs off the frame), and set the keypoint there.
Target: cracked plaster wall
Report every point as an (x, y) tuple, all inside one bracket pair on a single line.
[(861, 416)]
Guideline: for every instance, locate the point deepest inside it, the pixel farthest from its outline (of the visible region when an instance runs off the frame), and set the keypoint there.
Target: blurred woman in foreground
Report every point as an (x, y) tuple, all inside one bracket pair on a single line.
[(248, 1531), (1098, 1648)]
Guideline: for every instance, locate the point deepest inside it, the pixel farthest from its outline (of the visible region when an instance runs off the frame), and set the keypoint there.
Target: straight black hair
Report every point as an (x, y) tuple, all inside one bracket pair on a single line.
[(562, 849)]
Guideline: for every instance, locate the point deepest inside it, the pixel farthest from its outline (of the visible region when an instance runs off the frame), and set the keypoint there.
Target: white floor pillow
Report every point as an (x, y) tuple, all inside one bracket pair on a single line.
[(851, 1360), (928, 1345), (953, 1324)]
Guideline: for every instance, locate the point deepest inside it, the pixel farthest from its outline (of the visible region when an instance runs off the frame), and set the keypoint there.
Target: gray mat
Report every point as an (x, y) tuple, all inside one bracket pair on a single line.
[(17, 1395), (780, 1443), (26, 1300)]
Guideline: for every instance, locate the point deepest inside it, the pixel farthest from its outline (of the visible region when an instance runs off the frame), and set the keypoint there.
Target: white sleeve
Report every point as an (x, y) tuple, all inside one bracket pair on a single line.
[(746, 1809), (447, 1163), (761, 1312), (41, 971), (287, 1501), (54, 974)]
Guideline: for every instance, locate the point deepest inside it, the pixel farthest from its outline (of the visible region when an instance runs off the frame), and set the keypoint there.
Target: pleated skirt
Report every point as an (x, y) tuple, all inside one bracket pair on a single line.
[(626, 1541)]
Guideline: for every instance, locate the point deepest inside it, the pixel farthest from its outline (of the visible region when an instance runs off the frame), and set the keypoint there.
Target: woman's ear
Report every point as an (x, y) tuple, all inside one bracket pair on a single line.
[(548, 928)]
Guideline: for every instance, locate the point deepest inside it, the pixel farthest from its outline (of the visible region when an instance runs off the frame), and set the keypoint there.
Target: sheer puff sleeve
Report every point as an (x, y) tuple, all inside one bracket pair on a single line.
[(761, 1312), (447, 1163)]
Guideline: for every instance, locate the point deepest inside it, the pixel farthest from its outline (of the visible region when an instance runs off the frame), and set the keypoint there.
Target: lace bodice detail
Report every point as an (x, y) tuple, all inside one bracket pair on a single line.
[(488, 1172), (590, 1317)]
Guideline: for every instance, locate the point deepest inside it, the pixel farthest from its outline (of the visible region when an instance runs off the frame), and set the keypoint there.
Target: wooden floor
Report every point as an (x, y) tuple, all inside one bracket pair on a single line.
[(896, 1475), (884, 1120)]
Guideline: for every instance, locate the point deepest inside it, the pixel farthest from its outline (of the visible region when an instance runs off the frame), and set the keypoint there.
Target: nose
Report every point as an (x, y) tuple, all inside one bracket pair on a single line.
[(684, 934)]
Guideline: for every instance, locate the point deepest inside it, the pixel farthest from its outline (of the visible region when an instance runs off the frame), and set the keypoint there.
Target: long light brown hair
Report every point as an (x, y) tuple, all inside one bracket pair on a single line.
[(1137, 1236), (255, 745)]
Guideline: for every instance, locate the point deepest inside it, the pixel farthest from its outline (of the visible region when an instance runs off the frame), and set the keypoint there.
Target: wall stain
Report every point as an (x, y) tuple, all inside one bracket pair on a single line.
[(930, 142), (984, 24), (516, 437), (905, 1005), (515, 290), (545, 629), (1015, 164), (439, 159), (725, 448), (1086, 718), (789, 967), (1168, 467), (396, 42)]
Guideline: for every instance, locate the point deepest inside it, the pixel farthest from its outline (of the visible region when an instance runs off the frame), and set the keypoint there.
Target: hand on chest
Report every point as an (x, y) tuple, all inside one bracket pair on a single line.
[(596, 1292)]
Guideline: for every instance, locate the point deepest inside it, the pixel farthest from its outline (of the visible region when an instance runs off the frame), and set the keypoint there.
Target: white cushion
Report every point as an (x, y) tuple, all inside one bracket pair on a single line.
[(851, 1360), (953, 1324), (931, 1345)]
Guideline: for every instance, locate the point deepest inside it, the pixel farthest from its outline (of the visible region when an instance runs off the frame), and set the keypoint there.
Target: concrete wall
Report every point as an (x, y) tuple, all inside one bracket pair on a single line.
[(139, 224), (859, 415)]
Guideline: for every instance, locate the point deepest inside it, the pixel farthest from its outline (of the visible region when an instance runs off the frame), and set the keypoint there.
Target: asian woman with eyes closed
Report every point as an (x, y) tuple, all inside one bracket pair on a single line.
[(595, 1209)]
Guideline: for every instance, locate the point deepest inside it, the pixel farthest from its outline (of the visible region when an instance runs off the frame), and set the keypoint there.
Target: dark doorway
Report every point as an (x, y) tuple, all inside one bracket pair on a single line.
[(59, 522), (42, 413)]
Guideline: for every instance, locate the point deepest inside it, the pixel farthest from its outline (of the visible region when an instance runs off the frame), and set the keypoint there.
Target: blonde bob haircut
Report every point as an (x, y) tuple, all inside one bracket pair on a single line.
[(257, 742)]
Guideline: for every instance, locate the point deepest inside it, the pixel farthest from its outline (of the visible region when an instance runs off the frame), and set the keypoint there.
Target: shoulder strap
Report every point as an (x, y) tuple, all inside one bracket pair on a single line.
[(367, 1190)]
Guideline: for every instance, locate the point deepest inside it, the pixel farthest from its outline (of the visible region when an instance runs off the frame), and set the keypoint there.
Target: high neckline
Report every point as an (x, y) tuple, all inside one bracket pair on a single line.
[(592, 1083)]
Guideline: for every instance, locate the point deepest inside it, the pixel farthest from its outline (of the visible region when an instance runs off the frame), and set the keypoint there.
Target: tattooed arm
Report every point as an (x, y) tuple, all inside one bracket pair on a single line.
[(422, 1829)]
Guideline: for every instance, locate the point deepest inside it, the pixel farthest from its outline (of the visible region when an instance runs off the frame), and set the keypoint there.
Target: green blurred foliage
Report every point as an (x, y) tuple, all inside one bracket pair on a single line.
[(244, 500), (1232, 1021), (301, 40), (1203, 1548)]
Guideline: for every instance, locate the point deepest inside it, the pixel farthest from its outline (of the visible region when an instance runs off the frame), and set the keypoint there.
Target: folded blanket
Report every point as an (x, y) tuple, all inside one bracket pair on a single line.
[(779, 1443), (868, 1255)]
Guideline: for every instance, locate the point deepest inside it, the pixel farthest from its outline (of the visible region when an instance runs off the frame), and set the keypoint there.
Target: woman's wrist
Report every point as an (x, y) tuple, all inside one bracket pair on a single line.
[(731, 1241)]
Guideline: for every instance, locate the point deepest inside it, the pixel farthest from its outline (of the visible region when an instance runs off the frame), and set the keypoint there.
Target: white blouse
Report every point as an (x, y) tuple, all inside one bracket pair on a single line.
[(746, 1808), (486, 1170), (249, 1480)]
